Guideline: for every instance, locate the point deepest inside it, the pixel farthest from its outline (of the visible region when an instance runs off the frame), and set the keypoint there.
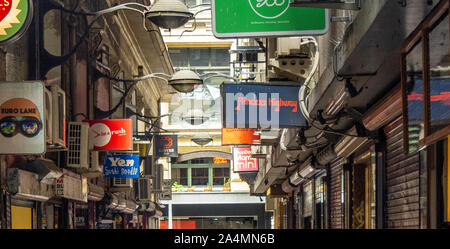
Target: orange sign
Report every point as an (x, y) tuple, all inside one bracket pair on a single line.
[(238, 136), (219, 160)]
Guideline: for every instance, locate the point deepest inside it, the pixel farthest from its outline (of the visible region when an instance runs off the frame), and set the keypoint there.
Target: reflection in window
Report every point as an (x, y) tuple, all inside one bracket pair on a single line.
[(220, 175), (180, 175), (415, 97), (200, 176), (440, 76), (415, 114)]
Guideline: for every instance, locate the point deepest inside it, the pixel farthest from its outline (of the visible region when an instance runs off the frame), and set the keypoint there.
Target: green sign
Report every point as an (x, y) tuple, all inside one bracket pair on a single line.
[(262, 18), (15, 18)]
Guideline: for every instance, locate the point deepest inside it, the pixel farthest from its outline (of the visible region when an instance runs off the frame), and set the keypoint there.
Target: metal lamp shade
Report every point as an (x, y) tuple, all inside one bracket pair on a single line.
[(195, 117), (169, 14), (202, 139), (185, 81)]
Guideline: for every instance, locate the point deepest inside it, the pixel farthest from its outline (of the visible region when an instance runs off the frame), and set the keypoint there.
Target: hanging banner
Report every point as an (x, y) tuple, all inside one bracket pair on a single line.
[(111, 134), (243, 160), (263, 18), (166, 145), (262, 106), (236, 136), (22, 122), (15, 19), (121, 166)]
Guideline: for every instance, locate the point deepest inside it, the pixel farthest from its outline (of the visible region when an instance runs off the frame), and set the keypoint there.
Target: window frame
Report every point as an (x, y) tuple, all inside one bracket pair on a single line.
[(421, 35), (210, 166)]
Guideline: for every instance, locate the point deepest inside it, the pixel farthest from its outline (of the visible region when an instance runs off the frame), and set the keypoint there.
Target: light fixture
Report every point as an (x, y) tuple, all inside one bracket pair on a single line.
[(195, 117), (202, 139), (183, 81), (169, 14)]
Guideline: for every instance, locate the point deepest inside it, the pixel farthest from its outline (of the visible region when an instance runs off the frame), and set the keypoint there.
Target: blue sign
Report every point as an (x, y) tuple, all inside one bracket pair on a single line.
[(121, 166), (250, 105)]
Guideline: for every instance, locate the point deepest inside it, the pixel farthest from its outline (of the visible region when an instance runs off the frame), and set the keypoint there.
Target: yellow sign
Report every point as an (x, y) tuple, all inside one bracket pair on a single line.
[(219, 160)]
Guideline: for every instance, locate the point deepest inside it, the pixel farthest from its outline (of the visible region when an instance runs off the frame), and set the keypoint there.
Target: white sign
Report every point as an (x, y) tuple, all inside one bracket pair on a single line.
[(22, 118)]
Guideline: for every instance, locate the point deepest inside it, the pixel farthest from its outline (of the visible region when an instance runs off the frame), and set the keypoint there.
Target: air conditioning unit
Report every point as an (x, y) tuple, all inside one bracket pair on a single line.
[(58, 116), (259, 151), (144, 189), (122, 182), (78, 152), (159, 178), (149, 169), (48, 117)]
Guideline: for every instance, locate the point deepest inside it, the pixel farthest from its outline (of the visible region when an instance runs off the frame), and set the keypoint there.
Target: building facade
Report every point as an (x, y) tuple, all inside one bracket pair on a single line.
[(81, 66), (375, 151)]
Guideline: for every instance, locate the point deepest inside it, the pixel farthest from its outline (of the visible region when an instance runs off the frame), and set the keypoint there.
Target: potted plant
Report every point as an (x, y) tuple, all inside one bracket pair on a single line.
[(176, 187), (226, 185), (208, 188), (190, 189)]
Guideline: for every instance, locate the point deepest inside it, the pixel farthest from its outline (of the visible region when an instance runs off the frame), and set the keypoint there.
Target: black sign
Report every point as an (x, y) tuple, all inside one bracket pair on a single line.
[(166, 146), (261, 106)]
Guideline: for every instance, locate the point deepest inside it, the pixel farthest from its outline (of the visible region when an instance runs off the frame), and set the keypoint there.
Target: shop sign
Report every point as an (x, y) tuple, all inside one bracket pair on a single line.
[(121, 166), (118, 218), (111, 134), (243, 160), (22, 122), (261, 106), (166, 145), (262, 18), (15, 19), (220, 160), (237, 136)]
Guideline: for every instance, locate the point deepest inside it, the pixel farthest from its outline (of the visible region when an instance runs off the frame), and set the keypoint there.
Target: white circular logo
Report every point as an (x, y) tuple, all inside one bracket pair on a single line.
[(101, 134), (269, 9)]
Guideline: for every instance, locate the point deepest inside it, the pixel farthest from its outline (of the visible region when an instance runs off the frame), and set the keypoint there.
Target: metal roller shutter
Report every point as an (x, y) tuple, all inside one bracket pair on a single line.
[(336, 205), (402, 180)]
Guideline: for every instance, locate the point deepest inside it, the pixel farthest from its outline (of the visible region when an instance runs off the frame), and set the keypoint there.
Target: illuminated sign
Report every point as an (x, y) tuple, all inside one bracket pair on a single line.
[(250, 105), (166, 145), (236, 136), (15, 18), (121, 166), (219, 160), (22, 122), (243, 160), (262, 18), (111, 134)]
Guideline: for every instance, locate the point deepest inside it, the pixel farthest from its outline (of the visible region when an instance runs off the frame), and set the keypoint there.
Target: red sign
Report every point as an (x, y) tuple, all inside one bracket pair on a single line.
[(111, 134), (243, 160), (238, 136)]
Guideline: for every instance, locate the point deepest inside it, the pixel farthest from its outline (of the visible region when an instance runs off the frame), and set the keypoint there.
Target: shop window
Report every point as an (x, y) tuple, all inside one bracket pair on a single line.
[(180, 175), (307, 205), (415, 97), (200, 176), (425, 81), (220, 176), (200, 59), (320, 205)]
